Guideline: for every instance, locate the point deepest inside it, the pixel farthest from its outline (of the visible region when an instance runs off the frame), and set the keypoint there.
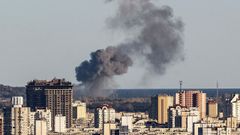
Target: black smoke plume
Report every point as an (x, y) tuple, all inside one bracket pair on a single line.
[(154, 35)]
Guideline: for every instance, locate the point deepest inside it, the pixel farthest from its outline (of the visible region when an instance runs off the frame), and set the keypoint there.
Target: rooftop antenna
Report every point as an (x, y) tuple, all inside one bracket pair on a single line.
[(180, 82)]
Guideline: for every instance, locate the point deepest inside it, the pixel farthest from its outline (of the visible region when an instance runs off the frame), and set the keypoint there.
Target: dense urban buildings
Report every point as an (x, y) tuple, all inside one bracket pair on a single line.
[(187, 113), (192, 98)]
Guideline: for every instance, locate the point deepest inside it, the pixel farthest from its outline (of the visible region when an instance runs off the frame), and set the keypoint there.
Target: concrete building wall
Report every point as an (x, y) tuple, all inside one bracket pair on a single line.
[(20, 120), (60, 124), (104, 114), (79, 110), (127, 121), (44, 114), (213, 109), (41, 127)]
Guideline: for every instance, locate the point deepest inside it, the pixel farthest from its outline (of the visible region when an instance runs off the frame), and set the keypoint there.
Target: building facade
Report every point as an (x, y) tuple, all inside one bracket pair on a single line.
[(41, 127), (159, 108), (212, 108), (44, 114), (236, 107), (60, 123), (79, 110), (55, 95), (102, 115), (192, 98), (20, 121)]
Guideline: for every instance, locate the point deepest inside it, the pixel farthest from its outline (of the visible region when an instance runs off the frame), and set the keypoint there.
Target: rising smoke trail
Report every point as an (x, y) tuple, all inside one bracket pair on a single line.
[(157, 38)]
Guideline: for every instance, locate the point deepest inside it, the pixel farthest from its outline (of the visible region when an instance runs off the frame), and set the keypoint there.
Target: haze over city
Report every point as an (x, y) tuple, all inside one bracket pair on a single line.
[(42, 40)]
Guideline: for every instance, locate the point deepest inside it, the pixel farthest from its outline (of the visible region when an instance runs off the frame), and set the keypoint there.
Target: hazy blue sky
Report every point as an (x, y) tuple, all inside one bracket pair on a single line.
[(46, 39)]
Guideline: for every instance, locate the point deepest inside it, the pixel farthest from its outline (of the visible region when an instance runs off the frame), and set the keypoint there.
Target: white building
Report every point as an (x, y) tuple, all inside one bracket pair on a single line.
[(182, 117), (60, 124), (20, 120), (192, 117), (79, 110), (102, 115), (17, 101), (41, 127), (128, 122), (20, 117), (236, 107), (107, 127), (44, 114)]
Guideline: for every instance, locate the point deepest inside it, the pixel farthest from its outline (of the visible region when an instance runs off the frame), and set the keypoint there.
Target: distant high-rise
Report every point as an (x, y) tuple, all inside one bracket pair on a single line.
[(20, 120), (79, 110), (102, 115), (193, 98), (236, 107), (35, 93), (212, 109), (159, 108), (55, 95)]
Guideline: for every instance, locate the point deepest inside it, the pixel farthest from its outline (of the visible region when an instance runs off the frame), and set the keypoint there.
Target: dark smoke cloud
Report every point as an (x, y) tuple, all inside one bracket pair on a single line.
[(96, 74), (154, 35)]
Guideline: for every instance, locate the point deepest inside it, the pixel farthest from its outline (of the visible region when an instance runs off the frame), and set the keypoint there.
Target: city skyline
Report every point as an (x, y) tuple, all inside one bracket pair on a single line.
[(42, 44)]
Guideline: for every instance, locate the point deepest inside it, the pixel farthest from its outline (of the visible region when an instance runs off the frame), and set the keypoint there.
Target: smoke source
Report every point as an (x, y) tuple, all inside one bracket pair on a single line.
[(155, 36)]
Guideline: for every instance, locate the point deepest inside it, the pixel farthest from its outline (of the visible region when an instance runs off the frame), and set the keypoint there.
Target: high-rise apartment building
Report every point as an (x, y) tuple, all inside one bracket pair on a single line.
[(102, 115), (79, 110), (20, 117), (193, 98), (20, 120), (212, 109), (236, 107), (55, 95), (159, 108), (35, 93)]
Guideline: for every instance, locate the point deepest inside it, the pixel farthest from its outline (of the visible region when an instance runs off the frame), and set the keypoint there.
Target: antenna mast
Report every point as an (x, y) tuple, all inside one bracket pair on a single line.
[(180, 82)]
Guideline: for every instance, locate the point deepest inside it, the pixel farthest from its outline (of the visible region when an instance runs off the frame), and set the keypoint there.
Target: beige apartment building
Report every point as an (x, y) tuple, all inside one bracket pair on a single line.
[(159, 108)]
